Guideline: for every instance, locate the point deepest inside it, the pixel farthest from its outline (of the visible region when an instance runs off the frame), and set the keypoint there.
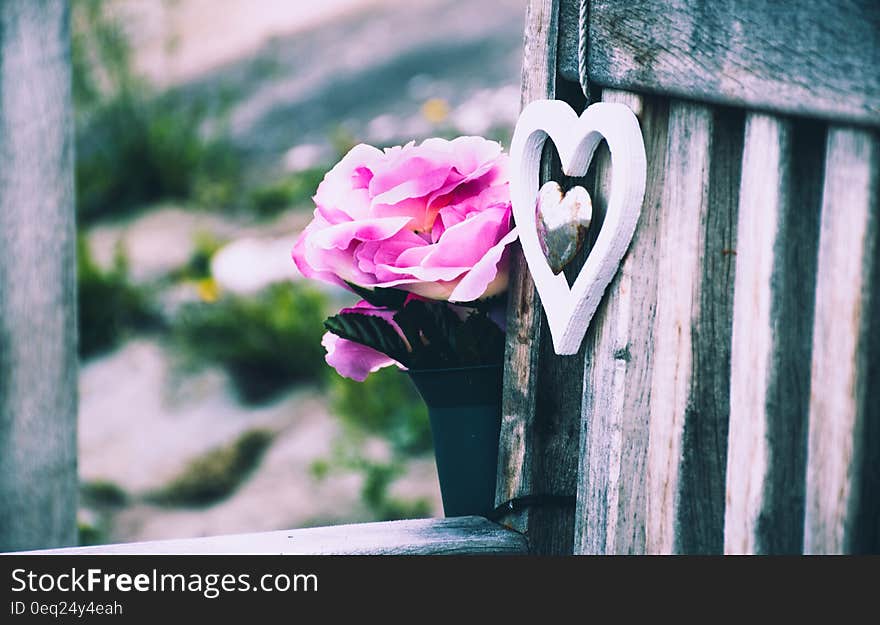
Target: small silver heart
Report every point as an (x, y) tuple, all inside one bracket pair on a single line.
[(563, 220)]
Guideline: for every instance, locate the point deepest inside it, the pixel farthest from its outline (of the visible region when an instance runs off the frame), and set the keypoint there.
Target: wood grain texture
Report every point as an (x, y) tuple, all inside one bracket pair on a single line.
[(538, 451), (612, 484), (819, 58), (38, 475), (685, 204), (843, 468), (689, 396), (515, 460), (772, 320), (455, 536)]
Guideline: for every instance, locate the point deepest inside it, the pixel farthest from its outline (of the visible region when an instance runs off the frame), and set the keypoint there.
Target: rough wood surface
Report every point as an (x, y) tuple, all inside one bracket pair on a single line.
[(538, 452), (456, 536), (515, 460), (689, 397), (612, 484), (843, 468), (777, 237), (817, 58), (38, 476)]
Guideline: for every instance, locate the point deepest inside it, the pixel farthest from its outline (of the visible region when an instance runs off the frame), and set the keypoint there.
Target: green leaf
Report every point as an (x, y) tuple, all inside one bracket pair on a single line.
[(479, 340), (371, 331), (430, 329)]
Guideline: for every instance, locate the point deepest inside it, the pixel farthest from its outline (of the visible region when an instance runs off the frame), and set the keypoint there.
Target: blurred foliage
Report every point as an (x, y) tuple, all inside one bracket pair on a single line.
[(137, 149), (198, 267), (134, 146), (293, 189), (378, 478), (90, 532), (109, 304), (100, 55), (265, 342), (101, 493), (385, 404), (216, 474), (388, 406)]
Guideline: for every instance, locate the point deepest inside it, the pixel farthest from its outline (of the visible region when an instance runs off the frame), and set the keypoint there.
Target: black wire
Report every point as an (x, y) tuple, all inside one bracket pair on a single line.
[(531, 501)]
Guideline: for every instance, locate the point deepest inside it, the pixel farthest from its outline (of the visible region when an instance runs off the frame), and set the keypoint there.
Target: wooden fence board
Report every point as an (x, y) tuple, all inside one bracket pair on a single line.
[(689, 397), (538, 453), (843, 468), (38, 476), (797, 58), (515, 455), (456, 536), (773, 301), (612, 484)]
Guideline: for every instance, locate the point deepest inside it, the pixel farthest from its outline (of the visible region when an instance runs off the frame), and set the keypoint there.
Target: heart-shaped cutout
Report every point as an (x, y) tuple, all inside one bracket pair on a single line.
[(569, 310), (563, 220)]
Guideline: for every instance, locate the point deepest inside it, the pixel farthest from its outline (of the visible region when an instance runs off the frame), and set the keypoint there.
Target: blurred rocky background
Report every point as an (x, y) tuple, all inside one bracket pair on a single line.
[(203, 129)]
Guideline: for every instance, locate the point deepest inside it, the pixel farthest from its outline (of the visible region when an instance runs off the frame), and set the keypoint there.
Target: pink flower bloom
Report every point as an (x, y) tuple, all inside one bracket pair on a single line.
[(353, 360), (433, 219)]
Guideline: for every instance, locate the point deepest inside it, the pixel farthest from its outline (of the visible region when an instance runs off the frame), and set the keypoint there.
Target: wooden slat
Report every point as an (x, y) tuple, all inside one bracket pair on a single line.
[(843, 469), (689, 395), (38, 479), (456, 536), (819, 58), (538, 451), (777, 236), (523, 312), (611, 501)]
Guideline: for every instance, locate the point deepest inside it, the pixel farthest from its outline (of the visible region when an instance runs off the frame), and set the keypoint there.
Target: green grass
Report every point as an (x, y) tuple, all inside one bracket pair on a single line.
[(110, 306), (136, 148), (135, 145), (385, 404), (216, 474), (102, 493), (266, 342), (289, 191)]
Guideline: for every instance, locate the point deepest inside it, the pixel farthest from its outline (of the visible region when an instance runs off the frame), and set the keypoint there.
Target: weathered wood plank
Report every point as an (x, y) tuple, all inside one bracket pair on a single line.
[(612, 485), (777, 237), (455, 536), (538, 453), (690, 395), (38, 479), (523, 312), (843, 468), (819, 58)]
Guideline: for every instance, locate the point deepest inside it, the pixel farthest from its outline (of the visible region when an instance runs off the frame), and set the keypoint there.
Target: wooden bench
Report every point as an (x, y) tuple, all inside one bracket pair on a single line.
[(724, 399)]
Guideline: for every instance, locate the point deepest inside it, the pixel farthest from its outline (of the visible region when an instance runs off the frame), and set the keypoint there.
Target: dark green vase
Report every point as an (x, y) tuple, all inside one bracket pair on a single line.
[(464, 406)]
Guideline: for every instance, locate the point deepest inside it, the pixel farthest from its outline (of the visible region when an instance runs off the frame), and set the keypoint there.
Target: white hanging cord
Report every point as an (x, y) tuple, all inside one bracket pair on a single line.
[(583, 33)]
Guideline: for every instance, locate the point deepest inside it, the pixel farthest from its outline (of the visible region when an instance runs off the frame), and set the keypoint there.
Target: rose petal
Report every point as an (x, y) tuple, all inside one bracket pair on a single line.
[(336, 188), (484, 279), (466, 242), (340, 236), (353, 360)]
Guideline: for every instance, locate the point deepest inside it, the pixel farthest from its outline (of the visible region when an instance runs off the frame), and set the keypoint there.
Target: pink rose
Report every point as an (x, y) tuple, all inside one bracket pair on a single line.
[(433, 219), (353, 360)]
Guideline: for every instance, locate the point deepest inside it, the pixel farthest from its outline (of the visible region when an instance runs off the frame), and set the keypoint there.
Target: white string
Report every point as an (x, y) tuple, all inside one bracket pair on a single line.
[(583, 33)]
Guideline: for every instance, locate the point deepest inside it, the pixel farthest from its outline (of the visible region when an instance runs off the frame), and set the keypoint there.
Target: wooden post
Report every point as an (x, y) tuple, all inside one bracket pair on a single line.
[(843, 458), (777, 238), (38, 478), (538, 452)]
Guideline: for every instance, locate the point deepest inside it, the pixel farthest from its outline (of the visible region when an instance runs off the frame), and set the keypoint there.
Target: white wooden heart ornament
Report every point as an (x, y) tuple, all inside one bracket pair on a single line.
[(569, 310)]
